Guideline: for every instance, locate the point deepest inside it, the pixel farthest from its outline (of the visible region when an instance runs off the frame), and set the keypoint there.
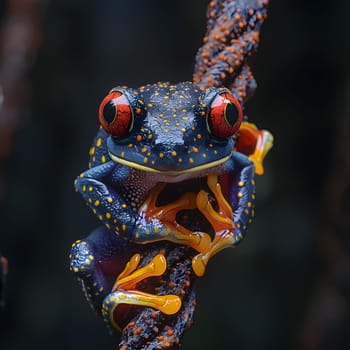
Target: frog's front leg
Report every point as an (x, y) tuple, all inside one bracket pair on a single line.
[(231, 221), (101, 189)]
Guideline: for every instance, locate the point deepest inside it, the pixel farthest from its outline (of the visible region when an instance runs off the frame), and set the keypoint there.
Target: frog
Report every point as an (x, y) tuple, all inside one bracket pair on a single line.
[(164, 150), (173, 163)]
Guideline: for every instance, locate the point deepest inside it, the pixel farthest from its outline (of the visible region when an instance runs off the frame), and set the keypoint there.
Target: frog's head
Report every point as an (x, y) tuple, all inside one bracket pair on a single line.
[(170, 129)]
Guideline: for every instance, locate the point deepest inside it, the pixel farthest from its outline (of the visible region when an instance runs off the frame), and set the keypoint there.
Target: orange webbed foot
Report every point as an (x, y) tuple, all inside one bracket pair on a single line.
[(221, 221), (166, 214), (124, 292)]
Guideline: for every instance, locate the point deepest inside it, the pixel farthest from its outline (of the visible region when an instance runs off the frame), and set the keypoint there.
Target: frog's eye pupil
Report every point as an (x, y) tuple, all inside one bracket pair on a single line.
[(231, 114), (109, 112), (116, 115), (225, 116)]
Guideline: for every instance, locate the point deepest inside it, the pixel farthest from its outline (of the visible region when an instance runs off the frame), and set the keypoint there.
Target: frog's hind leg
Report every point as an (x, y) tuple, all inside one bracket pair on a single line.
[(124, 291), (92, 259)]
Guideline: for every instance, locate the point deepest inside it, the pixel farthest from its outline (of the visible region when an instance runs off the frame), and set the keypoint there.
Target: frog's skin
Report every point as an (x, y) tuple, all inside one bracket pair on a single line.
[(163, 151)]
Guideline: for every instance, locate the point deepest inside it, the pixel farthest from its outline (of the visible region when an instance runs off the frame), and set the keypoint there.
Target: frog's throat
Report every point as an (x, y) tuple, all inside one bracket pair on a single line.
[(172, 173)]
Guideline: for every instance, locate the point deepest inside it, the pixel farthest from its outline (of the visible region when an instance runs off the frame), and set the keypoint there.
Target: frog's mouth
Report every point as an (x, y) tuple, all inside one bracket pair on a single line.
[(184, 172)]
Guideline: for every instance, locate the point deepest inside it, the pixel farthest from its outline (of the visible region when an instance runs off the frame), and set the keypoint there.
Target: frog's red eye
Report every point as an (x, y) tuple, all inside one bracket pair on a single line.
[(225, 115), (115, 114)]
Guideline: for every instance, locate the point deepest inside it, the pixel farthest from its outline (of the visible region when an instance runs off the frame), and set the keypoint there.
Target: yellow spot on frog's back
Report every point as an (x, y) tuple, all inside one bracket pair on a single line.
[(103, 159), (110, 200), (239, 194), (96, 203), (191, 160), (108, 215), (99, 142), (92, 151)]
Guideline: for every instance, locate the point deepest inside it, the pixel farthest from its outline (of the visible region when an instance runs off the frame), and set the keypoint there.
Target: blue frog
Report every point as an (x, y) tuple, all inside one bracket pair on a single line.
[(170, 162)]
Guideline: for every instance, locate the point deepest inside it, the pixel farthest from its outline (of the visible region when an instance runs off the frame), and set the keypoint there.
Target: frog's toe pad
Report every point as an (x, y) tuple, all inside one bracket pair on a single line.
[(199, 264)]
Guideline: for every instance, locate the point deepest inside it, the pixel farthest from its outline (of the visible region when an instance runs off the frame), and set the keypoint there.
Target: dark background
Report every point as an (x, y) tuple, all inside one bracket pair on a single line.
[(287, 285)]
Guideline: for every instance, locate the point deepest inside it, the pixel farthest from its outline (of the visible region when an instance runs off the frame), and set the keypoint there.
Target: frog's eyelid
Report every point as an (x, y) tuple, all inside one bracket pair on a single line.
[(132, 96)]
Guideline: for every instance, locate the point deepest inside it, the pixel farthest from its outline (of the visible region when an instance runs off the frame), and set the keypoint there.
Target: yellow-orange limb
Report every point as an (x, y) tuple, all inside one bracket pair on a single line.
[(130, 266), (215, 187), (168, 304), (200, 241), (222, 223), (200, 261), (215, 218), (168, 211), (176, 233), (255, 144), (126, 280)]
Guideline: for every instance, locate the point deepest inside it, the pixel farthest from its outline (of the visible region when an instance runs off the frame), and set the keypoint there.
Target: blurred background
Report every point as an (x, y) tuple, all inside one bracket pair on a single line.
[(288, 285)]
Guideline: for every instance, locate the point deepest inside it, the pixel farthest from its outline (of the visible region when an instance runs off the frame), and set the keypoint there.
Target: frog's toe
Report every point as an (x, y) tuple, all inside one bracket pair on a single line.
[(199, 264), (168, 304), (130, 276)]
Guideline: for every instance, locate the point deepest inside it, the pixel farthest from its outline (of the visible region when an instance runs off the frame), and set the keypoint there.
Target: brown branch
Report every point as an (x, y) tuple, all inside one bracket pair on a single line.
[(151, 329)]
